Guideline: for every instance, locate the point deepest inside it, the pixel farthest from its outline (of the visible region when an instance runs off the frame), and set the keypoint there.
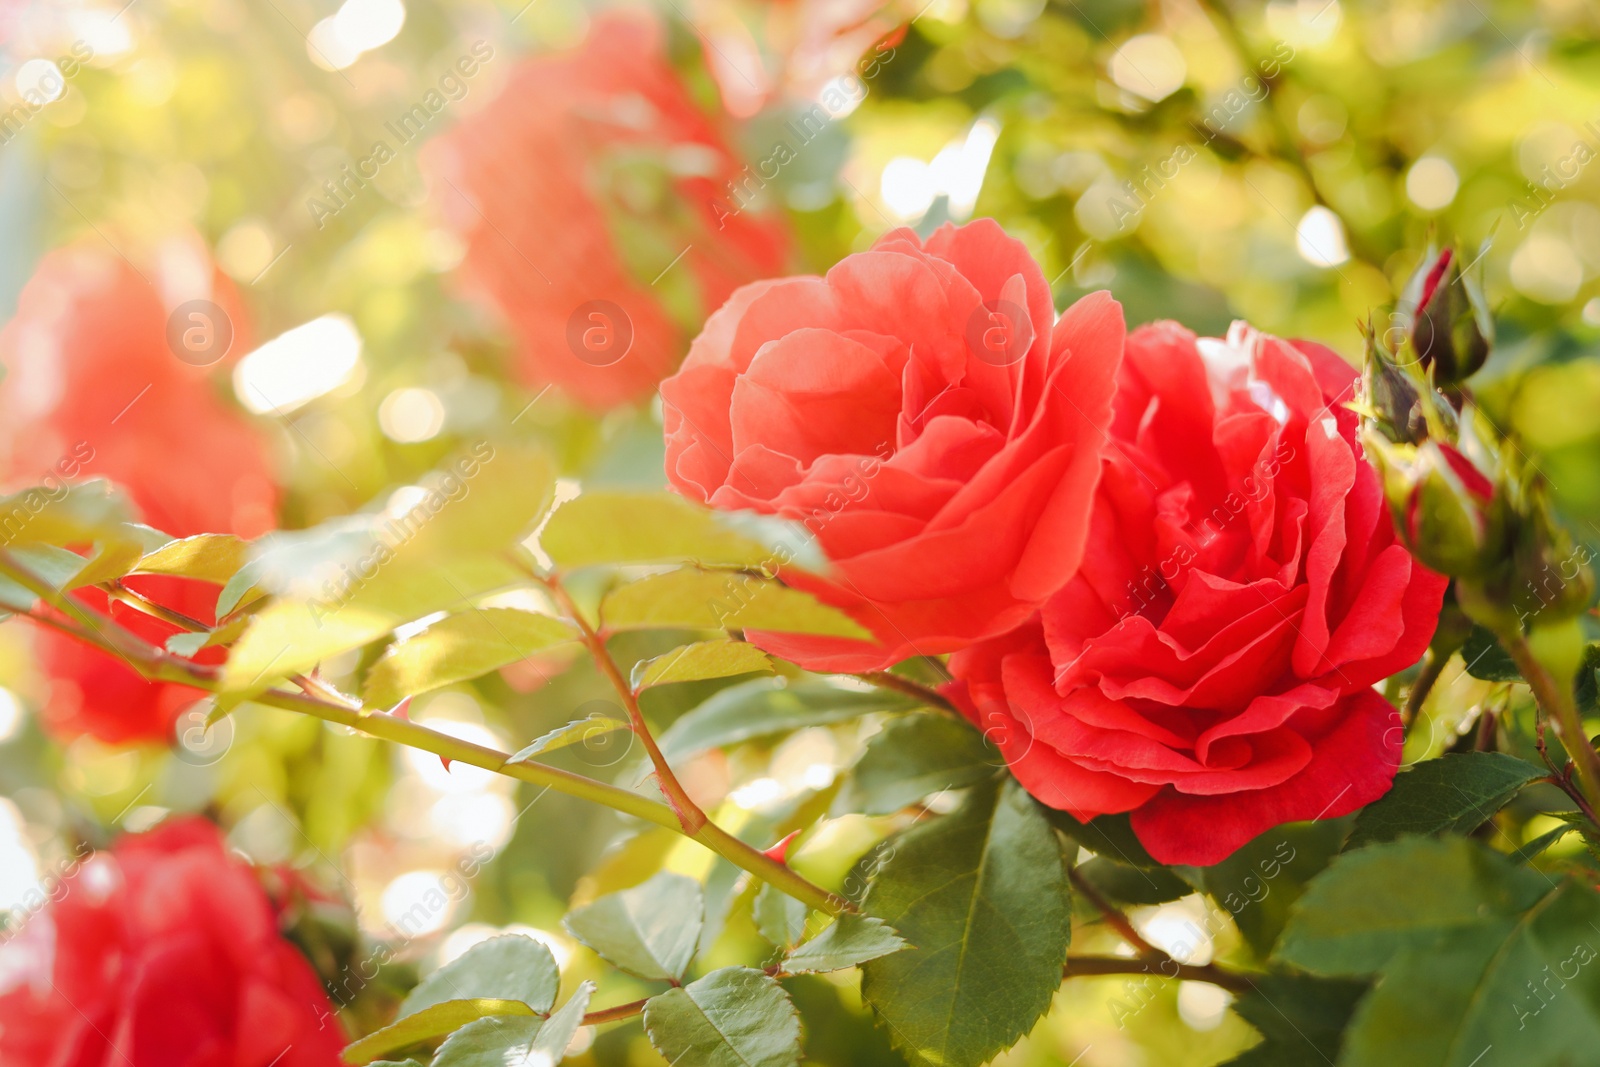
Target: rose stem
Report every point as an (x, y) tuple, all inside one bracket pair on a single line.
[(889, 680), (1164, 967), (1557, 701), (1113, 916), (1433, 666), (156, 664)]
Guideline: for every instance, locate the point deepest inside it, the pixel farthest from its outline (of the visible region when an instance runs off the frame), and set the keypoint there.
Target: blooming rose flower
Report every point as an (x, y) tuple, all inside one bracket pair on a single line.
[(92, 389), (1209, 669), (162, 952), (926, 416), (583, 182)]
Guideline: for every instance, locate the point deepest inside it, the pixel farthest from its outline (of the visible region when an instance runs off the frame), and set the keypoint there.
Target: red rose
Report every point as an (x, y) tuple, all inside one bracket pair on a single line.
[(92, 389), (926, 416), (162, 952), (1209, 669), (577, 190)]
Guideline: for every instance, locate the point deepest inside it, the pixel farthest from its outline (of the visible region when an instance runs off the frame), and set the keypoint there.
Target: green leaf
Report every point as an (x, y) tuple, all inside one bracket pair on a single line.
[(1301, 1019), (1372, 903), (209, 557), (1132, 885), (650, 931), (459, 648), (780, 918), (912, 757), (91, 512), (849, 941), (703, 659), (558, 1031), (1518, 990), (611, 526), (691, 599), (580, 731), (982, 893), (116, 557), (506, 1042), (431, 1022), (735, 1017), (1453, 794), (508, 967), (762, 707), (54, 566), (187, 644), (442, 555), (395, 1063), (1484, 658), (1111, 836), (1260, 882)]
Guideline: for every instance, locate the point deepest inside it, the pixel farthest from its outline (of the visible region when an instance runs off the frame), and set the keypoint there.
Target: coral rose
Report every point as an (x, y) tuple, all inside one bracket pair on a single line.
[(921, 410), (92, 389), (162, 952), (587, 192), (1209, 669)]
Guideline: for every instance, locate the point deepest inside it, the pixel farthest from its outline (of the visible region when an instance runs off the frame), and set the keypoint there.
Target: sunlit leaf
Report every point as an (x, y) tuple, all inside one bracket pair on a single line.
[(611, 526), (694, 599), (209, 557), (763, 707), (701, 660), (425, 1025), (459, 648), (503, 1042), (580, 731)]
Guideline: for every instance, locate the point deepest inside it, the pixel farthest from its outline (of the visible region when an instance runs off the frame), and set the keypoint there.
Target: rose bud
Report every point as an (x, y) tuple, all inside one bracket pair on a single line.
[(1445, 505), (1552, 579), (1451, 328), (1392, 395)]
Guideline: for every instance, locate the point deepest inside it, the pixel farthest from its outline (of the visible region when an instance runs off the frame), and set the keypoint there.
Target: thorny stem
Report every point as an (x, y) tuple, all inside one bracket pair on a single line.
[(1557, 701), (689, 813), (1433, 666), (1114, 918), (156, 664), (1160, 966)]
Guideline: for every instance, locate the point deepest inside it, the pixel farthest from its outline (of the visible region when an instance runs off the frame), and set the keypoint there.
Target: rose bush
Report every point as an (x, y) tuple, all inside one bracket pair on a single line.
[(93, 389), (162, 952), (923, 412), (583, 181), (1209, 669)]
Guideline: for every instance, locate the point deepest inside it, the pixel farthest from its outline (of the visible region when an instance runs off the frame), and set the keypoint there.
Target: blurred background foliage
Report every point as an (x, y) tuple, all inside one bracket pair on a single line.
[(1285, 162)]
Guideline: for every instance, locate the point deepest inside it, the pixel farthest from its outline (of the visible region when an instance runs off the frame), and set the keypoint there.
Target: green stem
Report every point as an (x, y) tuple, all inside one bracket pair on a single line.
[(158, 665), (1433, 665), (689, 813), (1163, 966), (901, 684), (1557, 700)]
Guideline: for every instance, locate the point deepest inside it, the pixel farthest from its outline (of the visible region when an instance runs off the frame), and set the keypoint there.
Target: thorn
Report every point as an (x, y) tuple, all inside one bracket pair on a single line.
[(779, 853), (402, 709)]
